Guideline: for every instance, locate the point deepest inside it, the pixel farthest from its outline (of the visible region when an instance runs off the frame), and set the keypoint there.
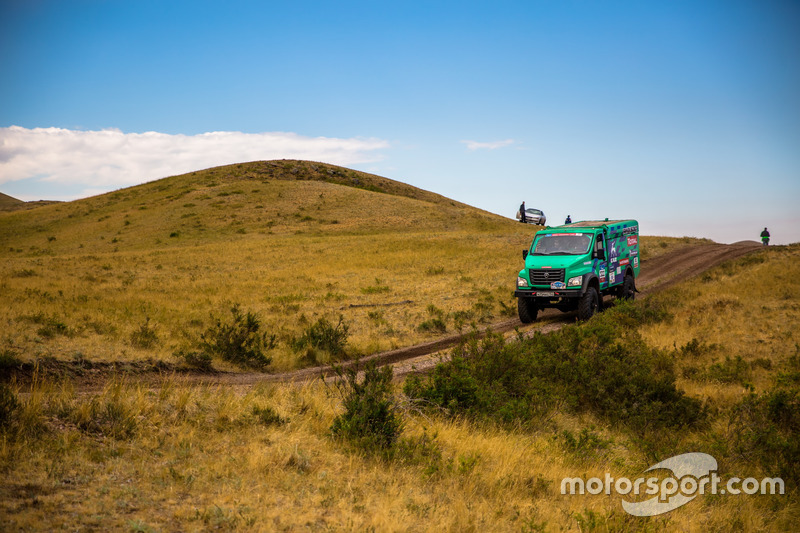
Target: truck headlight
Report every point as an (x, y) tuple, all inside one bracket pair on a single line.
[(577, 281), (522, 282)]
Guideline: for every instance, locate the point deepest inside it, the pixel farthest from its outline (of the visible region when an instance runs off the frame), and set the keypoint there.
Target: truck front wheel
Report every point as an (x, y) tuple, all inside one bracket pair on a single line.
[(628, 288), (527, 310), (589, 304)]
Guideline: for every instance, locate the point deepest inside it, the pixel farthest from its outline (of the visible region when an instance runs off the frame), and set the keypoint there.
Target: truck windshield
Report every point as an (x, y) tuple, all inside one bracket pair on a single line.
[(562, 244)]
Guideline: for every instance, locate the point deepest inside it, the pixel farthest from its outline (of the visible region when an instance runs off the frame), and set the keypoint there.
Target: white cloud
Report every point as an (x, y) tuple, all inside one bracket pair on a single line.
[(110, 159), (475, 145)]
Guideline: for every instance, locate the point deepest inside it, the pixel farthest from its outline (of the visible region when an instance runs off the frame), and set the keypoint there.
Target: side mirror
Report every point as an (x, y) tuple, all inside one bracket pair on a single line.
[(600, 254), (524, 254)]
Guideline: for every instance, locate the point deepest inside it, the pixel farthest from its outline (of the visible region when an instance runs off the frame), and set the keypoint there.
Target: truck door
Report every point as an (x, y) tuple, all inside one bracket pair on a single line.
[(601, 260)]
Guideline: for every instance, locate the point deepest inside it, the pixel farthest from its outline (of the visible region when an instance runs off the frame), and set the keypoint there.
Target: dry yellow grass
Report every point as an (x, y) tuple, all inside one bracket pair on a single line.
[(181, 457), (188, 458), (748, 309)]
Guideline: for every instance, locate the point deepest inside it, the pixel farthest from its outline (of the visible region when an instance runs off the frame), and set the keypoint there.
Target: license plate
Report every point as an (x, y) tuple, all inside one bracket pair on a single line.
[(545, 293)]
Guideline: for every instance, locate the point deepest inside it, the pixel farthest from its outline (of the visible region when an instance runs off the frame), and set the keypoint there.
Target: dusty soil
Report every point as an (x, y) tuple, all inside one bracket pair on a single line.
[(656, 274)]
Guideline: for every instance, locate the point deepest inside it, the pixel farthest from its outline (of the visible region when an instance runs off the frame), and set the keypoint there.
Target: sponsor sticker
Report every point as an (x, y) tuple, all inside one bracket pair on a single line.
[(619, 270), (631, 230), (623, 262), (602, 275), (587, 263), (611, 277), (633, 241), (558, 285), (635, 262)]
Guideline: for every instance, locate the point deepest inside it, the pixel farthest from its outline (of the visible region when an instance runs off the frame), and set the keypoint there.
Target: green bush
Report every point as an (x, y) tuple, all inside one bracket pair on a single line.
[(50, 325), (195, 359), (144, 336), (735, 370), (370, 420), (602, 366), (239, 341), (765, 429), (8, 361), (323, 335), (434, 324)]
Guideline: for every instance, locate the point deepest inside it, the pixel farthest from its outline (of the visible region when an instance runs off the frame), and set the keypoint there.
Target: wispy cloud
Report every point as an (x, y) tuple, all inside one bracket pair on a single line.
[(109, 159), (493, 145)]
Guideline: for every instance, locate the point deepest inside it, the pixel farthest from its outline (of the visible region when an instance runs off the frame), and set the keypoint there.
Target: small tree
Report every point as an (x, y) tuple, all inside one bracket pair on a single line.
[(240, 341), (370, 420), (324, 335)]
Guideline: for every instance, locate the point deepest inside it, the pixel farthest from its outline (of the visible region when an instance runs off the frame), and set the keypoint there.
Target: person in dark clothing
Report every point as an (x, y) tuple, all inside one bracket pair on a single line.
[(569, 220), (522, 213), (765, 237)]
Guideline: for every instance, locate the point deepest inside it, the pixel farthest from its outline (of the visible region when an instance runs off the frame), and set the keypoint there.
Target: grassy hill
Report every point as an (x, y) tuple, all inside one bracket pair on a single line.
[(143, 272), (8, 202), (290, 241)]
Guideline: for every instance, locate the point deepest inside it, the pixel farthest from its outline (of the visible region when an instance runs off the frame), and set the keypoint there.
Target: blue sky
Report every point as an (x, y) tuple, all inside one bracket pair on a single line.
[(684, 115)]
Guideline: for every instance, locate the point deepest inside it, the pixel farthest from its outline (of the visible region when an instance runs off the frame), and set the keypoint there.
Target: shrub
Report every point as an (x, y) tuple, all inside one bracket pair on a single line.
[(50, 325), (323, 335), (587, 444), (370, 420), (8, 361), (239, 341), (734, 370), (765, 428), (144, 336), (195, 359), (436, 322), (602, 366)]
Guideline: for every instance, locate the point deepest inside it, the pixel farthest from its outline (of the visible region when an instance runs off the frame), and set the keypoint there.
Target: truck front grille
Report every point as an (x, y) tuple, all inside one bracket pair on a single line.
[(546, 276)]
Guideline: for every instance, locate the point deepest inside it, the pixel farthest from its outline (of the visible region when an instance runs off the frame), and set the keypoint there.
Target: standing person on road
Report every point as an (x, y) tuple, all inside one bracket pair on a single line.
[(569, 220), (522, 213), (765, 237)]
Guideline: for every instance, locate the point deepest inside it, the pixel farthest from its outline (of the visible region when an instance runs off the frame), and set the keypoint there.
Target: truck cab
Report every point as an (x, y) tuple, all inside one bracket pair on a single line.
[(572, 267)]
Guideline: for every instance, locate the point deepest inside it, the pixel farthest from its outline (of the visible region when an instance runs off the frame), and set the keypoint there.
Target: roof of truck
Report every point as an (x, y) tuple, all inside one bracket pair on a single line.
[(595, 223)]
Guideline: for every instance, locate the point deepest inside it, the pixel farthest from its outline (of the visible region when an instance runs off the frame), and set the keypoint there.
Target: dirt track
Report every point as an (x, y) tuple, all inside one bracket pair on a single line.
[(656, 274)]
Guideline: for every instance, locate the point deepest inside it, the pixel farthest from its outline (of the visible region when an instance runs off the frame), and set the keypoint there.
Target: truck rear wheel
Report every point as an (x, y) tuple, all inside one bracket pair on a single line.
[(628, 288), (589, 304), (527, 310)]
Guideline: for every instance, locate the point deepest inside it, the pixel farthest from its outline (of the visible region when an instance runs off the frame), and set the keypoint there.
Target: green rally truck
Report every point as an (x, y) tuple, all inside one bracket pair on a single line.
[(572, 267)]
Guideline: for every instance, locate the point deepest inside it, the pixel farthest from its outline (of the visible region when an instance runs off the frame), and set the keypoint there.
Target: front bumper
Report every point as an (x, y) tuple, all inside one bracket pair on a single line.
[(549, 294)]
